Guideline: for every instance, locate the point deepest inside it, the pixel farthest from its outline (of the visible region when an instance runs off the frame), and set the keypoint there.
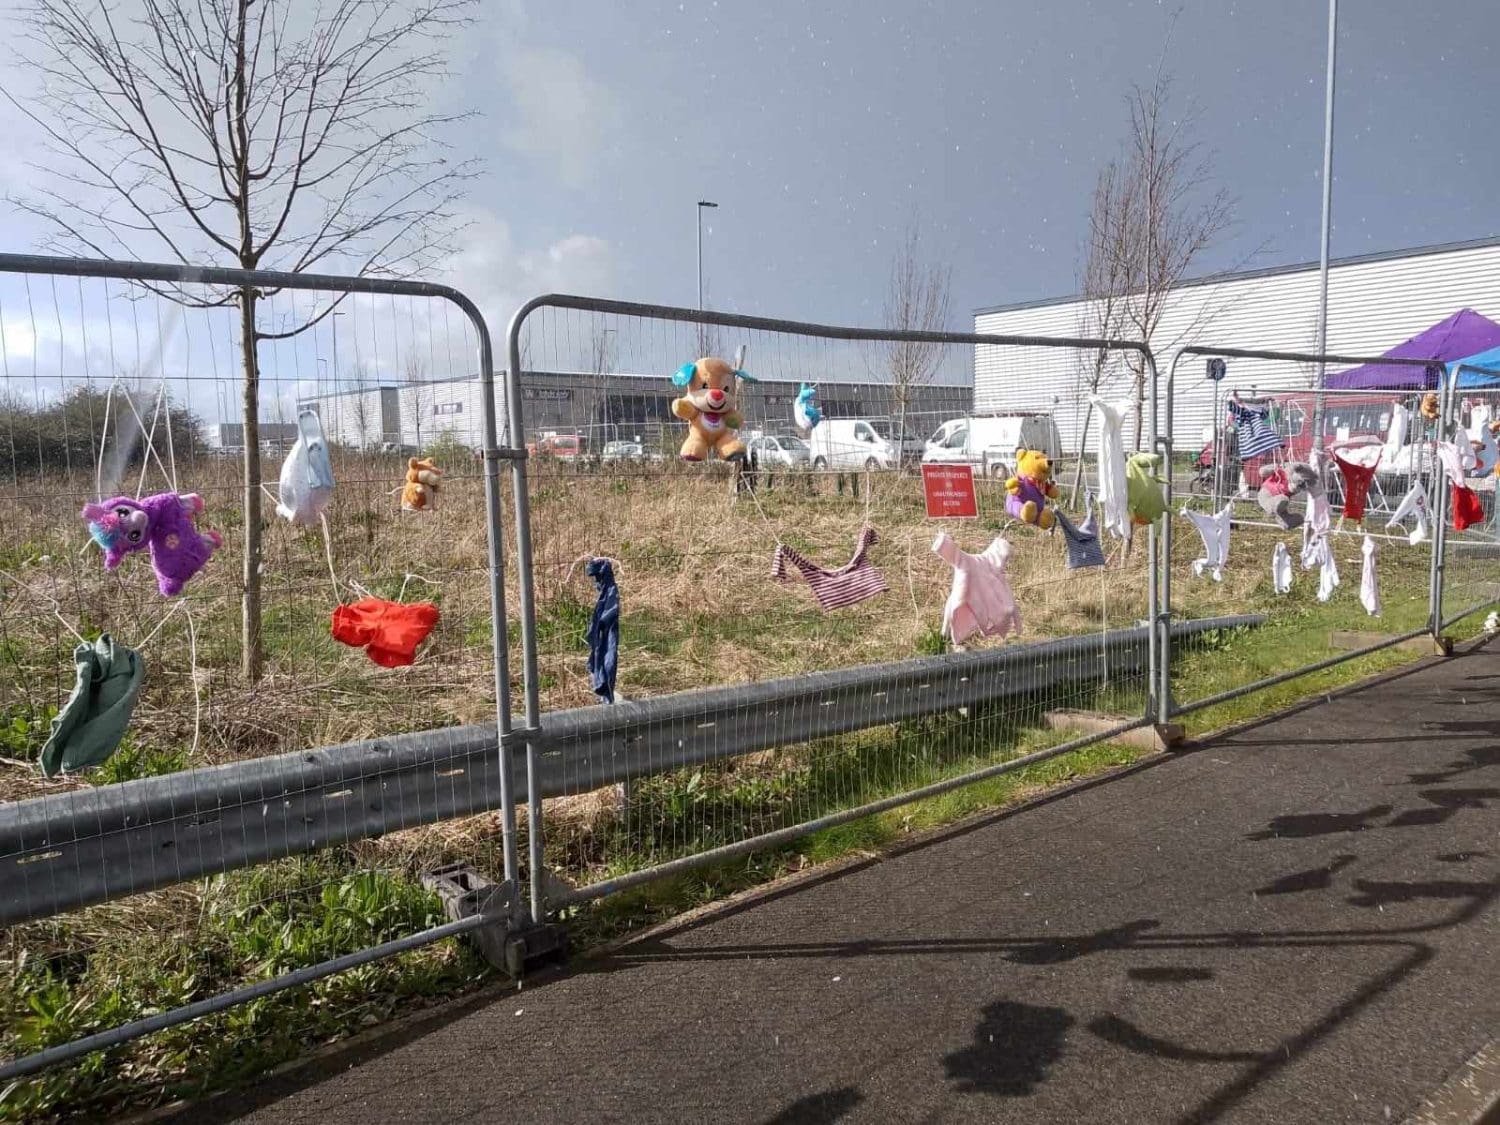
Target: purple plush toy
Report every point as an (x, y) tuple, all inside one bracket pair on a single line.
[(163, 522)]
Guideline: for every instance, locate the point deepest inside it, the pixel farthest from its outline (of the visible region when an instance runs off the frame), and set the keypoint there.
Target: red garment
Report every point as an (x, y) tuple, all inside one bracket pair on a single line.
[(1466, 507), (1357, 480), (389, 632)]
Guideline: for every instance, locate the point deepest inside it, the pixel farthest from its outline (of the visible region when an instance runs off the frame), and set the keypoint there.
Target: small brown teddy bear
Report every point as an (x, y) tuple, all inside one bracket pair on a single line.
[(708, 407), (423, 479)]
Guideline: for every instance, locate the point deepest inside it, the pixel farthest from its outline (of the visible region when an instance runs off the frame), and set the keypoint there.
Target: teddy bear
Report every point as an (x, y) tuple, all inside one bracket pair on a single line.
[(708, 407), (423, 479), (1279, 487), (1144, 498), (164, 523), (1030, 489)]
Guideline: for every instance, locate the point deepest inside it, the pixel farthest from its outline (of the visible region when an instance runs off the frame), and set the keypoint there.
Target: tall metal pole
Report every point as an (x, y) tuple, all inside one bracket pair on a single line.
[(1318, 403), (702, 203)]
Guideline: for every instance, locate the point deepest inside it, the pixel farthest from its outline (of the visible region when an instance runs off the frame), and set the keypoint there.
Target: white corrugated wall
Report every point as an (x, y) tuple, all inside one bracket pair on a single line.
[(1372, 306)]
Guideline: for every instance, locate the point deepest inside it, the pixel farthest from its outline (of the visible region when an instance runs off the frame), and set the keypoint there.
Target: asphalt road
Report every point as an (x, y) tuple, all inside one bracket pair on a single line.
[(1294, 923)]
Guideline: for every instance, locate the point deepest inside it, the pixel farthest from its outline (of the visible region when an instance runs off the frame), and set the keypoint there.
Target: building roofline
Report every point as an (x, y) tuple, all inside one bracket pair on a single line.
[(1269, 271), (587, 376)]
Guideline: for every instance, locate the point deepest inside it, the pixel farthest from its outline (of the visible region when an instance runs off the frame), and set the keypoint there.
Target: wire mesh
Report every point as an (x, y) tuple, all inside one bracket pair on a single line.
[(1376, 455), (116, 387), (691, 546), (1471, 577)]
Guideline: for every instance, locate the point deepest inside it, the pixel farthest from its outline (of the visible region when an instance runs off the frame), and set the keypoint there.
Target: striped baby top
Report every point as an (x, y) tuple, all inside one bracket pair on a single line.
[(850, 584), (1256, 437), (1081, 542)]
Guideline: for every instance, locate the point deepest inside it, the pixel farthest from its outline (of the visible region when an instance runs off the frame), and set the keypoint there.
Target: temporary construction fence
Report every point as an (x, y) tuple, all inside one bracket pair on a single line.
[(1379, 570), (745, 717), (126, 379)]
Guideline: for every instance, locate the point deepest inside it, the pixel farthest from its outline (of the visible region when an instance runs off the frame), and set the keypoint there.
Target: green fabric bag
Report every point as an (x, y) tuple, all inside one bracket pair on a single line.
[(89, 727)]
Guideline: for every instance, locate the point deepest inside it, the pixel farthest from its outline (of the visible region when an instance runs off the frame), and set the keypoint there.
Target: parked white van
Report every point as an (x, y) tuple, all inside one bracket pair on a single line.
[(851, 443), (991, 443)]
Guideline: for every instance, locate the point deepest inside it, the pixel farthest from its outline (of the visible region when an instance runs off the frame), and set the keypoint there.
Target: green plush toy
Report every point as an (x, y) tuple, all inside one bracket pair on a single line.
[(1143, 495)]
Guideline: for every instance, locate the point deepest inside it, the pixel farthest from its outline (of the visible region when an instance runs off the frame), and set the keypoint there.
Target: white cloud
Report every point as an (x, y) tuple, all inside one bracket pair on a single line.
[(500, 277), (560, 115)]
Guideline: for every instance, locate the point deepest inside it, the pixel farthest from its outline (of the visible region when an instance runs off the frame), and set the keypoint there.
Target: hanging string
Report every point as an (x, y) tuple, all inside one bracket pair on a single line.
[(56, 605), (338, 595)]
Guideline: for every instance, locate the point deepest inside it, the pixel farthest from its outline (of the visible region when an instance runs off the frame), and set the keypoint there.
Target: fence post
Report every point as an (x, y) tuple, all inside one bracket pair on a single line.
[(526, 580), (1159, 565), (1442, 432)]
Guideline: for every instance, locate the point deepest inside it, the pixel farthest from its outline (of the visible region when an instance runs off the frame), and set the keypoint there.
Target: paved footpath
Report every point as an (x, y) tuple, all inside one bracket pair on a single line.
[(1297, 922)]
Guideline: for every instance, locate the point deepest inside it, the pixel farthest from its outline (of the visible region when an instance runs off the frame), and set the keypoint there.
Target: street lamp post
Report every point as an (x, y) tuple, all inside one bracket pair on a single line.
[(1318, 404), (702, 203)]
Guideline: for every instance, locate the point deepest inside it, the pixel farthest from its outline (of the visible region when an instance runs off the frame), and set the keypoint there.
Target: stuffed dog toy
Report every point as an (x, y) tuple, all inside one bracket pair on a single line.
[(709, 408)]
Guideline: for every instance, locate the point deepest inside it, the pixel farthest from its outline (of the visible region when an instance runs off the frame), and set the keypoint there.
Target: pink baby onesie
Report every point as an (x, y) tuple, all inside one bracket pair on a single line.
[(981, 600)]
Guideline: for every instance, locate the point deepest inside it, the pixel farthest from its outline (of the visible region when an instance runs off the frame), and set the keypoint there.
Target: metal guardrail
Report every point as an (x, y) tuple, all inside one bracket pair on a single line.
[(76, 849)]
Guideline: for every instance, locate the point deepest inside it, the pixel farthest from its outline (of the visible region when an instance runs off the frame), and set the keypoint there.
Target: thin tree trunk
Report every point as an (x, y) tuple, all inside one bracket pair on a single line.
[(1083, 444), (1140, 405), (252, 657)]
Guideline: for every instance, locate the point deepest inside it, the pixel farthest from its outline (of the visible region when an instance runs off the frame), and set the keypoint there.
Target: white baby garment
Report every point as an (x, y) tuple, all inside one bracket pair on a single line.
[(1214, 531), (1112, 469), (1281, 569), (1369, 588), (1413, 504), (1328, 575)]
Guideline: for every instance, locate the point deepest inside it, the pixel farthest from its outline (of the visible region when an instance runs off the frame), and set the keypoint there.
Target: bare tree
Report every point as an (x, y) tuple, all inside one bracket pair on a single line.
[(1104, 287), (255, 133), (1163, 213), (362, 409), (601, 364), (419, 392), (917, 300)]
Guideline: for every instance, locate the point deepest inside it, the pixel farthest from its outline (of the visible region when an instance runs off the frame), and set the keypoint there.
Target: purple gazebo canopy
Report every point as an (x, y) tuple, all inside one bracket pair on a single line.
[(1462, 334)]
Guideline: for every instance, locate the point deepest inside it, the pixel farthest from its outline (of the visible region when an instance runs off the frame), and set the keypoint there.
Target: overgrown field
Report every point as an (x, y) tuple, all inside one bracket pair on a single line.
[(699, 609)]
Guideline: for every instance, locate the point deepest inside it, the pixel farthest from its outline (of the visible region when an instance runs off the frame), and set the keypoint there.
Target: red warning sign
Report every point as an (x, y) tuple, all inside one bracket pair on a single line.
[(949, 491)]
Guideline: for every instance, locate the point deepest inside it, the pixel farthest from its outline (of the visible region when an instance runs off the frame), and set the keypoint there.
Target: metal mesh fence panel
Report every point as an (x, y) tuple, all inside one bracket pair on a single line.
[(691, 547), (113, 386), (1470, 583), (1328, 536)]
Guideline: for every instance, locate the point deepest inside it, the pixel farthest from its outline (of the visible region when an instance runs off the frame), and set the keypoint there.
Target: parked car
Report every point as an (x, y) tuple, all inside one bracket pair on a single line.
[(990, 443), (623, 451), (771, 452), (851, 443)]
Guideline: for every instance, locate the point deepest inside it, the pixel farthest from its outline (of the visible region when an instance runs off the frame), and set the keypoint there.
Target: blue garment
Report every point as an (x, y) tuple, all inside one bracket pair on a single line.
[(604, 631)]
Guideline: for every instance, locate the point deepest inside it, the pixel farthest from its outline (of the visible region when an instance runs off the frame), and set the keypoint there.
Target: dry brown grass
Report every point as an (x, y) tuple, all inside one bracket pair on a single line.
[(699, 607)]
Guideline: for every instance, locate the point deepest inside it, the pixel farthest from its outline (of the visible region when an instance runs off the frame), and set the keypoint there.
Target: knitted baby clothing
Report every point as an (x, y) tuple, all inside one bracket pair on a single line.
[(389, 632), (981, 600), (1357, 479), (1081, 542), (848, 585), (1255, 436)]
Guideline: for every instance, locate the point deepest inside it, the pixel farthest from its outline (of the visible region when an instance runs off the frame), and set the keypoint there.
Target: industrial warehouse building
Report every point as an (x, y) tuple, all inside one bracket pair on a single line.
[(1375, 302), (601, 407)]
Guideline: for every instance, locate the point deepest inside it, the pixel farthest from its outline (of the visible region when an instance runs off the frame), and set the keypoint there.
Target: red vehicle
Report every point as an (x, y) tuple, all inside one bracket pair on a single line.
[(1344, 416), (566, 447)]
